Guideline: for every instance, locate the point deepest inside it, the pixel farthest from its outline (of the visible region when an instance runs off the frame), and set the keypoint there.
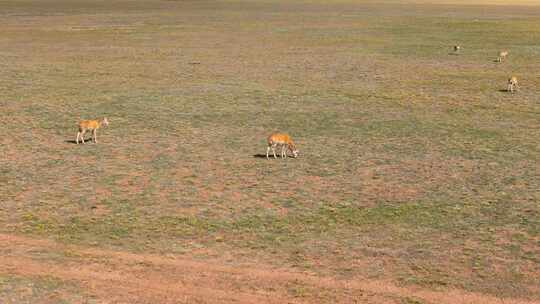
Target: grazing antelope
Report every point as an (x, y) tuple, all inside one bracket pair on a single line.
[(282, 140), (457, 48), (90, 125), (502, 56), (512, 83)]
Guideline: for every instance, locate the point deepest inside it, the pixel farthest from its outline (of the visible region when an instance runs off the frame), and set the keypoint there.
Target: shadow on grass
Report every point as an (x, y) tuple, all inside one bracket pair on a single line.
[(270, 156), (73, 141), (261, 156)]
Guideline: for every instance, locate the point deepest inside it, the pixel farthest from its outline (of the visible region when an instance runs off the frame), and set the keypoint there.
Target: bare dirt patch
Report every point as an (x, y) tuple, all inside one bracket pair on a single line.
[(120, 277), (414, 167)]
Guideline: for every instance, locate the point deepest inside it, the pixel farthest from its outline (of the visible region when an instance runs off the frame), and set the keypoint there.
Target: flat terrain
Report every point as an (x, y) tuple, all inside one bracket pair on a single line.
[(418, 179)]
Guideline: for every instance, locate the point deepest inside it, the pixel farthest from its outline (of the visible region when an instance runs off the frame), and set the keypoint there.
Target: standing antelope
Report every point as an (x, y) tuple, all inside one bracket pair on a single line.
[(502, 56), (284, 141), (90, 125), (512, 82), (457, 48)]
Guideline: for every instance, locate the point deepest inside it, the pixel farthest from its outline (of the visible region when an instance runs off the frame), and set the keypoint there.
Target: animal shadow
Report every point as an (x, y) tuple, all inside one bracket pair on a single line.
[(269, 156), (73, 141)]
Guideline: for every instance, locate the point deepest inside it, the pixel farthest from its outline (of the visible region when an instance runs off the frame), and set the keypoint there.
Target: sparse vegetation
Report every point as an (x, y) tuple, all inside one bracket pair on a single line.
[(416, 168)]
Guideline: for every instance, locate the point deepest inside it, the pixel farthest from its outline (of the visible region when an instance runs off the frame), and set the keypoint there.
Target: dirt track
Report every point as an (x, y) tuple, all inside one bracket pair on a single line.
[(121, 277), (416, 167)]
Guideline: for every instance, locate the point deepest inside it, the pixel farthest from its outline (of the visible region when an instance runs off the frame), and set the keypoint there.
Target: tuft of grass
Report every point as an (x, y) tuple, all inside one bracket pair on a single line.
[(17, 289)]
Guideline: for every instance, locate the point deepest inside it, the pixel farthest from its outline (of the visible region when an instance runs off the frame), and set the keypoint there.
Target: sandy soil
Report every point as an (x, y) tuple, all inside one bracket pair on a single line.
[(184, 81), (122, 277)]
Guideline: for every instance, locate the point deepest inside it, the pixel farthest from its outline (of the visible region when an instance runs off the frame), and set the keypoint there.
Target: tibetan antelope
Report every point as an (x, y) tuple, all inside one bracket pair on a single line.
[(457, 48), (90, 125), (502, 56), (512, 83), (283, 140)]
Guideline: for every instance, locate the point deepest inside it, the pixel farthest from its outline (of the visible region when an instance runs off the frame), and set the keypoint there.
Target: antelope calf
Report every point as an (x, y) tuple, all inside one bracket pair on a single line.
[(502, 56), (90, 125), (512, 83), (283, 140)]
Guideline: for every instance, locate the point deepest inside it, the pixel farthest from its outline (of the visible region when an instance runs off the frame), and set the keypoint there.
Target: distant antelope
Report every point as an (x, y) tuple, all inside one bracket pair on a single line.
[(512, 83), (502, 56), (90, 125), (457, 48), (282, 140)]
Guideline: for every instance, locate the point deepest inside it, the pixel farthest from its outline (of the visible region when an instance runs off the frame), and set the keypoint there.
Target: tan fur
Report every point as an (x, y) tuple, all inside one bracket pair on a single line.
[(502, 56), (90, 125), (512, 84), (282, 140)]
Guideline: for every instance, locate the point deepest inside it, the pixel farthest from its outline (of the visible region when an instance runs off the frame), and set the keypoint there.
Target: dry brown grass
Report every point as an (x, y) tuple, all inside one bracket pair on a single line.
[(415, 168)]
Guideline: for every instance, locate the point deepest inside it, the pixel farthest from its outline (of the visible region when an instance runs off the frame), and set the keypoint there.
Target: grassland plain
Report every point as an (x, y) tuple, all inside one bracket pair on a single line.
[(417, 169)]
